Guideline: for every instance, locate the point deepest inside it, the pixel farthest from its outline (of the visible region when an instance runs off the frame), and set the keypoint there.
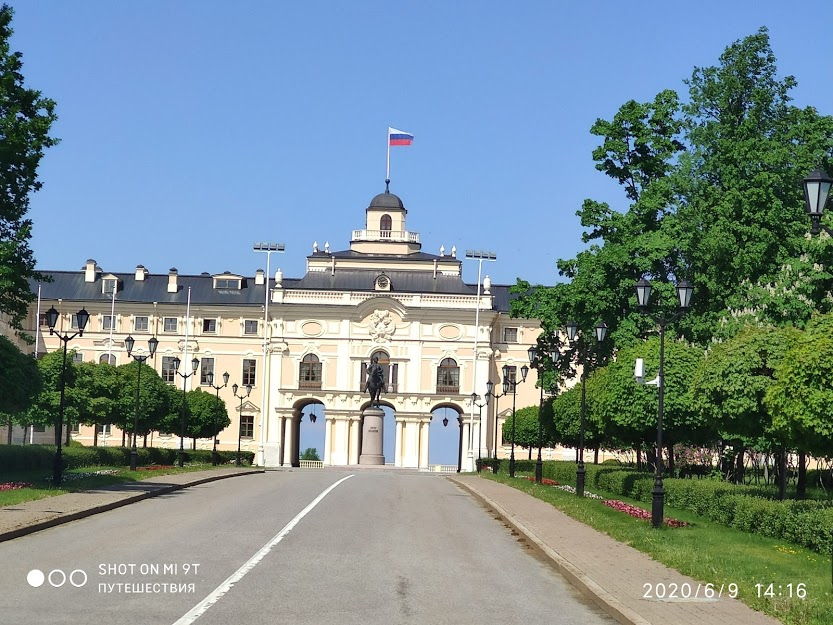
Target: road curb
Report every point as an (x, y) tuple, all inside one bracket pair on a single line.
[(607, 602), (74, 516)]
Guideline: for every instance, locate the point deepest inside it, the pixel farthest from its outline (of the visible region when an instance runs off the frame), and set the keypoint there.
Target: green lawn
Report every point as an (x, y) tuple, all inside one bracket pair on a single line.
[(710, 553), (79, 479)]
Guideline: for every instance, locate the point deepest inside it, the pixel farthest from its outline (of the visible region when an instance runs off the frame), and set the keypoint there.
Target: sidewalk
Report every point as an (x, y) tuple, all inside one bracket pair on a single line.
[(32, 516), (610, 573)]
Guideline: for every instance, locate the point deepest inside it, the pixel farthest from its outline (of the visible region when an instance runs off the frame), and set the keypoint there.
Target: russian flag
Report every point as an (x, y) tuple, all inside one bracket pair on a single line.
[(397, 137)]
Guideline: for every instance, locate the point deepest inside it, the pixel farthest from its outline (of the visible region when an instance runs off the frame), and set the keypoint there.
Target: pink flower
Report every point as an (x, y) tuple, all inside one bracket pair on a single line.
[(14, 486), (639, 513)]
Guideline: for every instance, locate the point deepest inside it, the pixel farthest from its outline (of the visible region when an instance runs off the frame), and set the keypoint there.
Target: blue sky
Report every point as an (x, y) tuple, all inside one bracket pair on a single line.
[(191, 129)]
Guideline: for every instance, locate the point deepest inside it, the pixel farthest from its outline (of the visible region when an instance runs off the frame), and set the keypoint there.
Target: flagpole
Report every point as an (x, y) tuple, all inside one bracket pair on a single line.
[(112, 323), (37, 346), (387, 170), (185, 358)]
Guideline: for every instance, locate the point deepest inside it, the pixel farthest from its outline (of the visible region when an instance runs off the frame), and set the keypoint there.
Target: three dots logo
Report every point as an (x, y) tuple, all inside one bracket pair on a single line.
[(56, 578)]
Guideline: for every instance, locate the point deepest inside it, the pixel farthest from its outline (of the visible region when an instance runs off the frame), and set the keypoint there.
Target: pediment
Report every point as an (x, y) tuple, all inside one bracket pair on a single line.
[(247, 407)]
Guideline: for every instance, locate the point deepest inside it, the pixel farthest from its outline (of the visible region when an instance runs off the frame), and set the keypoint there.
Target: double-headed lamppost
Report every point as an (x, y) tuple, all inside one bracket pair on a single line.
[(234, 388), (474, 402), (513, 384), (82, 316), (128, 344), (555, 356), (816, 191), (572, 332), (209, 377), (490, 393), (195, 362), (643, 296)]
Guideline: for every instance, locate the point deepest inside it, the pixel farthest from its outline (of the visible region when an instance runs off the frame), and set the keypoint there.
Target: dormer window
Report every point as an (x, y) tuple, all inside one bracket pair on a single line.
[(109, 285), (227, 281)]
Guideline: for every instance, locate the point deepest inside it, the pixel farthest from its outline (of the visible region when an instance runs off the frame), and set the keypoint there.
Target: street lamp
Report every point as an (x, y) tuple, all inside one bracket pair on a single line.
[(513, 384), (816, 191), (234, 388), (268, 249), (643, 297), (490, 393), (195, 362), (601, 333), (82, 316), (555, 356), (152, 345), (459, 438), (215, 459), (474, 402)]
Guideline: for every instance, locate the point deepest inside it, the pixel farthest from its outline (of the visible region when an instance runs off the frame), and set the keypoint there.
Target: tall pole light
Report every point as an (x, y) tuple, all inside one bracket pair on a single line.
[(555, 356), (129, 342), (816, 192), (490, 393), (234, 388), (195, 362), (215, 458), (82, 317), (643, 298), (513, 384), (268, 249), (474, 400), (573, 331), (480, 256)]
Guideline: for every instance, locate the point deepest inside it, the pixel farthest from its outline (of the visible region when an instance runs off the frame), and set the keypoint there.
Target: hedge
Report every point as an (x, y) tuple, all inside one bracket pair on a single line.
[(34, 457)]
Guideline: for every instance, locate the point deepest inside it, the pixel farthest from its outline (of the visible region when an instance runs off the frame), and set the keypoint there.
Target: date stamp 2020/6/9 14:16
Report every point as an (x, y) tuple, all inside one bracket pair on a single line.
[(671, 591)]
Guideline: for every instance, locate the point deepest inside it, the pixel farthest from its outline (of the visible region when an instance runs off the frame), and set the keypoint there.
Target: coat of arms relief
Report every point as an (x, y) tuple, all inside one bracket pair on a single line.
[(381, 326)]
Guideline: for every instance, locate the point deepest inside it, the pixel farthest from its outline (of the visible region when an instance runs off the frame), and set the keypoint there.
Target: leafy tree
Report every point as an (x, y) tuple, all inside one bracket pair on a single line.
[(310, 453), (45, 406), (98, 386), (207, 414), (25, 120), (154, 400), (526, 428), (20, 383)]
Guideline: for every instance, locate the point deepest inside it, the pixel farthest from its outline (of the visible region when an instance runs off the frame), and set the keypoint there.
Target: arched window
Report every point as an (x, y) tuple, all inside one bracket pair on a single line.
[(448, 376), (310, 375), (385, 226), (108, 358), (391, 371)]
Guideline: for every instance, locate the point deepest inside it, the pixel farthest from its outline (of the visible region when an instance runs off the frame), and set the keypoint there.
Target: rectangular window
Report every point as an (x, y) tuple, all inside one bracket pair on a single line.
[(74, 322), (510, 335), (104, 429), (39, 428), (77, 357), (513, 374), (169, 324), (107, 322), (168, 370), (206, 366), (250, 326), (227, 283), (75, 428), (249, 370), (140, 324), (247, 426), (209, 325), (42, 320)]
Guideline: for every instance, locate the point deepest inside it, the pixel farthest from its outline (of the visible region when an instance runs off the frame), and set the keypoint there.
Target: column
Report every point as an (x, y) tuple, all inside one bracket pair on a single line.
[(397, 450), (355, 428), (287, 441), (465, 461), (423, 444), (328, 439)]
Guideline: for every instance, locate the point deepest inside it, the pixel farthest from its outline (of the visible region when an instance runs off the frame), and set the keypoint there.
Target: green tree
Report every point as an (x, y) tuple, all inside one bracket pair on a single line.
[(207, 414), (154, 399), (310, 453), (45, 406), (98, 386), (526, 428), (25, 120), (20, 383)]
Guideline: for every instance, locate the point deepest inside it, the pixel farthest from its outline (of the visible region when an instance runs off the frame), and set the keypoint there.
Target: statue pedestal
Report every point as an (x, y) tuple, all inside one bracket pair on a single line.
[(373, 436)]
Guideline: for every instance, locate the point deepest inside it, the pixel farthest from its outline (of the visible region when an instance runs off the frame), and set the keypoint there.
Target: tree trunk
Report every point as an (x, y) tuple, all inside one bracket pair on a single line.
[(638, 458), (9, 434), (801, 487), (145, 441), (95, 435), (69, 428), (530, 451), (739, 466), (123, 438), (782, 474), (651, 459), (670, 467), (596, 455)]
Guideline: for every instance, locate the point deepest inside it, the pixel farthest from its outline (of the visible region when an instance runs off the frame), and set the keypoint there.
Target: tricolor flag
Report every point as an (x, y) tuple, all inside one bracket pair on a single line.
[(397, 137)]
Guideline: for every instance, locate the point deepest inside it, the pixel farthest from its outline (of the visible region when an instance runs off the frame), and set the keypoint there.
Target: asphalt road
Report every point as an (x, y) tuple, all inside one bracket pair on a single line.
[(303, 547)]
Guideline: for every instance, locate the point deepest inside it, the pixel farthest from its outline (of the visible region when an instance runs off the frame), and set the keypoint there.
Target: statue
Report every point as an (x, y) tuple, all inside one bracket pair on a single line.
[(375, 381)]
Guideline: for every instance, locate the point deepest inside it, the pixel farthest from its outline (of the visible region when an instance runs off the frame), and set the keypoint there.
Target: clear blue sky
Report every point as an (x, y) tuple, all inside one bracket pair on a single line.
[(191, 129)]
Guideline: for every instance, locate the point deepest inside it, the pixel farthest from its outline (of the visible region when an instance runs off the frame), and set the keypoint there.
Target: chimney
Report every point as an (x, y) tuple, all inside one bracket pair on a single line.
[(141, 273), (89, 271), (172, 287), (259, 277)]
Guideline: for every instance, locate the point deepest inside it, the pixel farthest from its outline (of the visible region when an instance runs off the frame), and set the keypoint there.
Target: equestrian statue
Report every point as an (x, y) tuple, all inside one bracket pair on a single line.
[(375, 383)]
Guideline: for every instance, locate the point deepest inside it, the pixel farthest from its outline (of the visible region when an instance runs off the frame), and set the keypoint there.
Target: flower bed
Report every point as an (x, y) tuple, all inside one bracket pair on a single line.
[(639, 513), (14, 486), (155, 467), (71, 477), (544, 480)]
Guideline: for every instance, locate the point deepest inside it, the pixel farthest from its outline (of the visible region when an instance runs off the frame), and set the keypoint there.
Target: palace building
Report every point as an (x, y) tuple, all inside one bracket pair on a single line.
[(308, 340)]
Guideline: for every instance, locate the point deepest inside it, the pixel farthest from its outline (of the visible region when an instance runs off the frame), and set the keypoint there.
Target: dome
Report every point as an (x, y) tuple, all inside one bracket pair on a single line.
[(386, 201)]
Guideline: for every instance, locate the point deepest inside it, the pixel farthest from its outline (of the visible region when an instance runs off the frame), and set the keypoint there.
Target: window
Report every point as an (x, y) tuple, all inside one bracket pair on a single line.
[(109, 285), (209, 325), (39, 428), (250, 326), (75, 428), (107, 322), (247, 426), (169, 324), (206, 367), (140, 324), (74, 321), (391, 372), (513, 374), (448, 376), (107, 358), (310, 376), (104, 429), (384, 226), (42, 320), (249, 369), (77, 357), (510, 335), (168, 370), (227, 283)]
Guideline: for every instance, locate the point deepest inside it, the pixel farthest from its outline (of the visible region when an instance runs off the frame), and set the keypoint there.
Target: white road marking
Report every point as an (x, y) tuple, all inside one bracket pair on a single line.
[(200, 609)]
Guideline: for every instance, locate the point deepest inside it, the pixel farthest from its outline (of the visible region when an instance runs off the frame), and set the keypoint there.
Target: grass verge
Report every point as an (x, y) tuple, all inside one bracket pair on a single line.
[(710, 553)]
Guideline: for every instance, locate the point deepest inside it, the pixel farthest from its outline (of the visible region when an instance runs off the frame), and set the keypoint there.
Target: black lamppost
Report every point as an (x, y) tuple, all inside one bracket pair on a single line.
[(601, 333), (816, 191), (513, 384), (459, 440), (128, 343), (195, 362), (234, 388), (474, 398), (643, 296), (555, 356), (209, 377), (489, 393), (82, 316)]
